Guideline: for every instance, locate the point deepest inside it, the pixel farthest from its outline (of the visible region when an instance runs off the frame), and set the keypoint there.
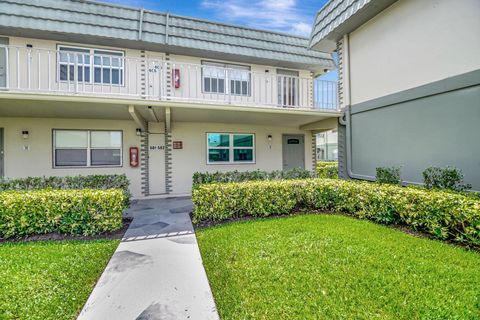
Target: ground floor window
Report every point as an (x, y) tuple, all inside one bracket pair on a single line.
[(87, 148), (230, 148)]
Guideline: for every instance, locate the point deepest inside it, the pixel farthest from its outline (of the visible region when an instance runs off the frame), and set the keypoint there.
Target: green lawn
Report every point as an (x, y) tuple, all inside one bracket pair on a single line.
[(50, 280), (336, 267)]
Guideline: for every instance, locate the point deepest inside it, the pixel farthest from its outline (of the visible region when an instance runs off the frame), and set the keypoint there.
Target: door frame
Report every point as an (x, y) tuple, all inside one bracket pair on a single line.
[(4, 41), (283, 147)]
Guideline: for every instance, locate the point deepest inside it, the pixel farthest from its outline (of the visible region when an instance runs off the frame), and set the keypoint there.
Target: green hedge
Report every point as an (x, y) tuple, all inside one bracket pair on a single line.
[(82, 212), (239, 176), (113, 181), (445, 215), (327, 169)]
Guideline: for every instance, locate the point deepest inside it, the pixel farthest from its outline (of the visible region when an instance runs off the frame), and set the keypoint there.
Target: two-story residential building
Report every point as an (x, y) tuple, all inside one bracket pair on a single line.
[(95, 88), (409, 83)]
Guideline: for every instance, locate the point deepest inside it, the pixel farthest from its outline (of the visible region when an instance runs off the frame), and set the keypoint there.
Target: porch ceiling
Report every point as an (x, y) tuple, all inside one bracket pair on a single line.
[(179, 113), (294, 119)]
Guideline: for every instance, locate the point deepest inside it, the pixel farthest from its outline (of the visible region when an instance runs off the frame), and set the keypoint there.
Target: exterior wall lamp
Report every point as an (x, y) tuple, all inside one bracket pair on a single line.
[(138, 131), (269, 137), (25, 134)]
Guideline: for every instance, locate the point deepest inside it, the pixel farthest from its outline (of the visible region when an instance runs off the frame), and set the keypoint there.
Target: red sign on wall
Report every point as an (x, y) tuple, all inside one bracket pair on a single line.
[(177, 144)]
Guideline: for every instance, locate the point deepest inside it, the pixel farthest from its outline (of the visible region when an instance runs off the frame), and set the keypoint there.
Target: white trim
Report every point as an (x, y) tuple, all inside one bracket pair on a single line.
[(231, 148)]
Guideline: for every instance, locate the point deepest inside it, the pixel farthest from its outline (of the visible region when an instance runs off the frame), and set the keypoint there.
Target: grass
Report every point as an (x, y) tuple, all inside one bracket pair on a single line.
[(50, 279), (336, 267)]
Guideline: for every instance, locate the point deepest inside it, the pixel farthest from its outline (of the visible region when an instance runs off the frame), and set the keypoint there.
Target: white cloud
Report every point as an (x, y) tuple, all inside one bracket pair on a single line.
[(277, 15)]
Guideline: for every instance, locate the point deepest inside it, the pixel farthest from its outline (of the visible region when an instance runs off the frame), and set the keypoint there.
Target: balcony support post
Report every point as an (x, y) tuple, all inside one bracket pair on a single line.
[(137, 117), (168, 120)]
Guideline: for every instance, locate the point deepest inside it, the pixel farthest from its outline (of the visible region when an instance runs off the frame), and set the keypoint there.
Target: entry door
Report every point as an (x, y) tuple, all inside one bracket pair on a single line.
[(156, 163), (3, 62), (293, 151), (2, 172), (287, 87)]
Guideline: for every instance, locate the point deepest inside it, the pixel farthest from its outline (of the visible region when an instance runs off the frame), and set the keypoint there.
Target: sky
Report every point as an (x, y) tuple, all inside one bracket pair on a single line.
[(290, 16)]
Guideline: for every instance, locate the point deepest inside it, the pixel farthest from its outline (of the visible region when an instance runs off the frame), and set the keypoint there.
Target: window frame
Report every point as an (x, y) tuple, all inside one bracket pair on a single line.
[(91, 54), (231, 148), (227, 67), (88, 149)]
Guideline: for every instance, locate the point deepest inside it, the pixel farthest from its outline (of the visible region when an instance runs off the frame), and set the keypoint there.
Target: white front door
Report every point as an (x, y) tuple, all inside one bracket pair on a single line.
[(156, 163), (293, 146)]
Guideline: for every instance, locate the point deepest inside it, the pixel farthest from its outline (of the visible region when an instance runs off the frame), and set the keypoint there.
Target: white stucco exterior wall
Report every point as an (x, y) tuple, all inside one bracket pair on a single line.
[(193, 156), (411, 43), (38, 160)]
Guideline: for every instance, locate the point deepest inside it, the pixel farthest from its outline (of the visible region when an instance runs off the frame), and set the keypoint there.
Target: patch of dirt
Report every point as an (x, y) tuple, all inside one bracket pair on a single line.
[(113, 235)]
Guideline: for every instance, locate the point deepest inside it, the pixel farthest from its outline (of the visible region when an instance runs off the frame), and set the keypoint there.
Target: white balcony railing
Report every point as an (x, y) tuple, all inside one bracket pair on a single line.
[(35, 70)]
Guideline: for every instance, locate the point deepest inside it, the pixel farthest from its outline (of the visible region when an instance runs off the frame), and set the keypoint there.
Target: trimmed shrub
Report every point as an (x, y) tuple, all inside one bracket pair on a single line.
[(239, 176), (113, 181), (389, 175), (445, 215), (327, 169), (80, 212), (444, 178)]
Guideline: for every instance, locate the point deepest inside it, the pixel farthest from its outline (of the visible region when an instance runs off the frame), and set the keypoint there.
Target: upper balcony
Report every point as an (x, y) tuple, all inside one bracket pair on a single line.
[(110, 74)]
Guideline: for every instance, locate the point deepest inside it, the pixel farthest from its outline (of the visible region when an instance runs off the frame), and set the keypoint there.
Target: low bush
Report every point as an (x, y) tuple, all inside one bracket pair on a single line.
[(389, 175), (327, 169), (445, 215), (113, 181), (81, 212), (444, 178), (239, 176)]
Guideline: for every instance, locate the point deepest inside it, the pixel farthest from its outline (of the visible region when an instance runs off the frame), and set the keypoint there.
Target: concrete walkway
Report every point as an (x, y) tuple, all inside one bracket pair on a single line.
[(156, 271)]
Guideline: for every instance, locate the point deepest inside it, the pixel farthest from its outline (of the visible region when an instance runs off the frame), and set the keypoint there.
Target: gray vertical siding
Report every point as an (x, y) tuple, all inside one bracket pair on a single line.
[(437, 124)]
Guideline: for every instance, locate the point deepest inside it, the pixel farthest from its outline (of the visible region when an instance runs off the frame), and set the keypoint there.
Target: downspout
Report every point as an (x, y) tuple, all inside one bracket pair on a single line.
[(346, 119)]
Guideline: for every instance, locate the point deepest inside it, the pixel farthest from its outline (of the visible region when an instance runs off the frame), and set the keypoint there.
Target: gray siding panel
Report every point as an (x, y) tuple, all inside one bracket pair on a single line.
[(438, 129)]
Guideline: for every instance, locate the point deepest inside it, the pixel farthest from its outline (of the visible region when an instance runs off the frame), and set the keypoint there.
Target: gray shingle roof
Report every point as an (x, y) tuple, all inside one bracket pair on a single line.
[(83, 20), (339, 17)]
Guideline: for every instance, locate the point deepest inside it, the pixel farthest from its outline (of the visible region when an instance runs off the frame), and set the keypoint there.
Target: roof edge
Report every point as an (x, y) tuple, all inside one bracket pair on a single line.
[(339, 17)]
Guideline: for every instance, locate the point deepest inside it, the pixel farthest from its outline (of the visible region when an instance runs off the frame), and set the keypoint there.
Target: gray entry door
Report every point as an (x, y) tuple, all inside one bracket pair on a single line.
[(3, 63), (293, 146), (2, 173)]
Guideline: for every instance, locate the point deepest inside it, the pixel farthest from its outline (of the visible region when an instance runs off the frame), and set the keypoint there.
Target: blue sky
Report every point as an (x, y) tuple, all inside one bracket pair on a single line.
[(291, 16)]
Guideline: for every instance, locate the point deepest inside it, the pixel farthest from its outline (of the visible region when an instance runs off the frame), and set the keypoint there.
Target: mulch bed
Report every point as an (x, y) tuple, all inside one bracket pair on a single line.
[(113, 235)]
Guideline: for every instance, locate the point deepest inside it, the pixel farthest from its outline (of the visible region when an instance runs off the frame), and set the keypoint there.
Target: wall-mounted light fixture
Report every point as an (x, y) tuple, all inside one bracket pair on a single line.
[(269, 137), (25, 134), (138, 131)]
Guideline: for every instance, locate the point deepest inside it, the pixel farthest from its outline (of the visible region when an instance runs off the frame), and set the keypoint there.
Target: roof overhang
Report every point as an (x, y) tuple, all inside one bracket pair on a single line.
[(340, 17)]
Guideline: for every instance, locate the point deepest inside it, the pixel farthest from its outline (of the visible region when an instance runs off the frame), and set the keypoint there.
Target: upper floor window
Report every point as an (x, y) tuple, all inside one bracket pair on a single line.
[(225, 78), (101, 66)]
